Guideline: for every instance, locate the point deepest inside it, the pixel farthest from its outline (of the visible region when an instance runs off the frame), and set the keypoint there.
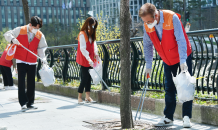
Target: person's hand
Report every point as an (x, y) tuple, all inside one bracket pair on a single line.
[(184, 67), (148, 71), (91, 63), (15, 41), (44, 61)]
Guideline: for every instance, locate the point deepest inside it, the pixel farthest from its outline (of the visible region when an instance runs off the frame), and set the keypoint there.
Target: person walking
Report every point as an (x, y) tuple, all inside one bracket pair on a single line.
[(164, 30), (86, 51), (5, 66), (32, 38)]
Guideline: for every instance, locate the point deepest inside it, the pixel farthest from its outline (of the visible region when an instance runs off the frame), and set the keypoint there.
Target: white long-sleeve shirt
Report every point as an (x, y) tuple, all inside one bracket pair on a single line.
[(42, 46), (83, 47)]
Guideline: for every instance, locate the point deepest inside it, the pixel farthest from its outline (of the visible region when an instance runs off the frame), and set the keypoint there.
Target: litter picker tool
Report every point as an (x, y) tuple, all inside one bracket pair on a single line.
[(143, 92), (30, 52)]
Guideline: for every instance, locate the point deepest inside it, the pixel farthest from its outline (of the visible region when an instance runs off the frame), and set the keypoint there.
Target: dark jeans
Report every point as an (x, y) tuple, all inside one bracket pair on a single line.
[(85, 80), (7, 76), (170, 91), (26, 97)]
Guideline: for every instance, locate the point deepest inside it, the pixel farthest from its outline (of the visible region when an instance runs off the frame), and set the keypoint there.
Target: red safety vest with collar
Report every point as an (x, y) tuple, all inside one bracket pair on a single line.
[(80, 58), (3, 61), (168, 47), (23, 54)]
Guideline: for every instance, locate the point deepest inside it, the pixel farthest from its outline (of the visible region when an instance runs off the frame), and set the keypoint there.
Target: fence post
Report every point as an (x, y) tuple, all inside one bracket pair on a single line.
[(52, 58), (65, 68), (217, 86), (134, 66), (105, 67), (37, 70)]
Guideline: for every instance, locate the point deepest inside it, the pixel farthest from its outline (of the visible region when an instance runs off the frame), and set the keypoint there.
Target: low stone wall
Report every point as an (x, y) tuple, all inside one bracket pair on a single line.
[(200, 114)]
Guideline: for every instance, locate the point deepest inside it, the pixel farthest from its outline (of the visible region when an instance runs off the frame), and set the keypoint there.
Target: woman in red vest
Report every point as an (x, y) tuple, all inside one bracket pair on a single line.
[(5, 66), (87, 49)]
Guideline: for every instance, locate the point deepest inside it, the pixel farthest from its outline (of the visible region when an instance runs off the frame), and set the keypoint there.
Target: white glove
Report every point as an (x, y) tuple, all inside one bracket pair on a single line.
[(44, 61), (91, 63), (15, 41), (184, 67), (148, 71)]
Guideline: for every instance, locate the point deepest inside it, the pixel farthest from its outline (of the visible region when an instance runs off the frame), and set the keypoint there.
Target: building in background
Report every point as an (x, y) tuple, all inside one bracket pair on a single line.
[(110, 10), (66, 12)]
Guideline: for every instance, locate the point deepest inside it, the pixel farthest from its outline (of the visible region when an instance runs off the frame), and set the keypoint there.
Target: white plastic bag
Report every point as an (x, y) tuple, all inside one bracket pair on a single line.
[(47, 75), (98, 67), (14, 74), (185, 86)]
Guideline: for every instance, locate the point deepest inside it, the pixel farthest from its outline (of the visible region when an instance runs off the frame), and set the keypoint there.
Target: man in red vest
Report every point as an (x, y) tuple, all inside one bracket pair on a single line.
[(164, 30), (32, 38)]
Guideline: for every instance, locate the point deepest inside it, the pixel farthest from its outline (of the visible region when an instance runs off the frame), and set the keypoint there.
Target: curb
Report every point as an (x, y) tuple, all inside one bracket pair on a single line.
[(200, 114)]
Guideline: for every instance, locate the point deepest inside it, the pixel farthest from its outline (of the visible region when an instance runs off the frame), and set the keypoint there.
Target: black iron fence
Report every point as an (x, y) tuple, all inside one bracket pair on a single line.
[(204, 56)]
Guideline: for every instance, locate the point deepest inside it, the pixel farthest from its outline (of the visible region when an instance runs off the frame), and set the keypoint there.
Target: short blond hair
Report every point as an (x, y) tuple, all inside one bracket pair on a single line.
[(147, 9)]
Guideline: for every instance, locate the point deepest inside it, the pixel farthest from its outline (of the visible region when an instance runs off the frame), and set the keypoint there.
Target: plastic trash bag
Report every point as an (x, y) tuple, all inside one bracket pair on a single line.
[(185, 86), (11, 49), (14, 74), (98, 67), (47, 75)]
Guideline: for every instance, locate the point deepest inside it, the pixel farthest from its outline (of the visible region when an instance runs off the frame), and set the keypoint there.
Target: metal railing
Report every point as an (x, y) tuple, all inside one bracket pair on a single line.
[(204, 56)]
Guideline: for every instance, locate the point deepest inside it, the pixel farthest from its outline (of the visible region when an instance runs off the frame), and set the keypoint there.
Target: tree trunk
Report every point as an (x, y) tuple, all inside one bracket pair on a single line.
[(199, 5), (125, 89), (184, 10), (26, 11)]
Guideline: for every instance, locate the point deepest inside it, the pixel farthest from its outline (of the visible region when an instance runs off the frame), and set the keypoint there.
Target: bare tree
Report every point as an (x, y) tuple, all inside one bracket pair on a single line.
[(26, 11), (125, 89)]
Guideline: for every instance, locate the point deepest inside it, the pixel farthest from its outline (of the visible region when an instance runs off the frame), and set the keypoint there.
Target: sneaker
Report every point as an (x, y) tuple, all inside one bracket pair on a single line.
[(32, 107), (186, 122), (2, 87), (23, 108), (3, 128), (11, 88), (5, 87), (164, 122)]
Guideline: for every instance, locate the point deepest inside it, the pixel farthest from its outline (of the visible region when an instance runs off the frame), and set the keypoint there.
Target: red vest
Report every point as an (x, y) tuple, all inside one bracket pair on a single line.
[(3, 61), (23, 54), (80, 58), (168, 47)]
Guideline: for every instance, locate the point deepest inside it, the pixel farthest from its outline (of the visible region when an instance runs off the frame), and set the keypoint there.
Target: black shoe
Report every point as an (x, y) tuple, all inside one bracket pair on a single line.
[(32, 107)]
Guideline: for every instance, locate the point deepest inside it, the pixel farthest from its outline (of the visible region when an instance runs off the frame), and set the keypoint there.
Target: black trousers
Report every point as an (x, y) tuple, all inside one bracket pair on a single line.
[(7, 76), (26, 97), (85, 80)]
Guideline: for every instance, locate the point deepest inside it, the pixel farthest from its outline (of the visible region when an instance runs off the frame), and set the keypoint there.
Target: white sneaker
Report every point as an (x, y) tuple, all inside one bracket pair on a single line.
[(186, 122), (11, 88), (164, 122), (3, 128), (23, 108), (2, 87)]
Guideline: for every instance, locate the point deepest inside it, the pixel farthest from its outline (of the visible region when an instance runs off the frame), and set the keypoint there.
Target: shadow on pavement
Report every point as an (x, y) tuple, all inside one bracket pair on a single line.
[(73, 106), (9, 114)]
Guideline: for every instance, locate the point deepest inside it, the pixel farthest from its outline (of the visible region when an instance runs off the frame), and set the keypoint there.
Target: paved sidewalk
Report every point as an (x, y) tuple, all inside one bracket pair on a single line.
[(63, 113)]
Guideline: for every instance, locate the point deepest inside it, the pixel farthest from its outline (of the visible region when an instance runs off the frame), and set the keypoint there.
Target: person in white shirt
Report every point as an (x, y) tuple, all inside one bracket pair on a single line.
[(32, 38), (86, 51)]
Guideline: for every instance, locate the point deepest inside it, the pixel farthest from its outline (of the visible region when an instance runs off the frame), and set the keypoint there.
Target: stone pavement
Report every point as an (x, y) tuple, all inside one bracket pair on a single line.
[(63, 113)]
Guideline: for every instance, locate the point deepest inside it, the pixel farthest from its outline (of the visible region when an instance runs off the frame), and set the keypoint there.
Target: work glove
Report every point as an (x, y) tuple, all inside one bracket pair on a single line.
[(44, 61), (184, 67), (148, 71), (15, 41), (91, 63)]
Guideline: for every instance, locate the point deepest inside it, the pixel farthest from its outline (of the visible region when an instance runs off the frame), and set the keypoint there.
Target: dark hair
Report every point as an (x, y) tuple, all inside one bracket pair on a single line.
[(147, 9), (89, 21), (36, 20)]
